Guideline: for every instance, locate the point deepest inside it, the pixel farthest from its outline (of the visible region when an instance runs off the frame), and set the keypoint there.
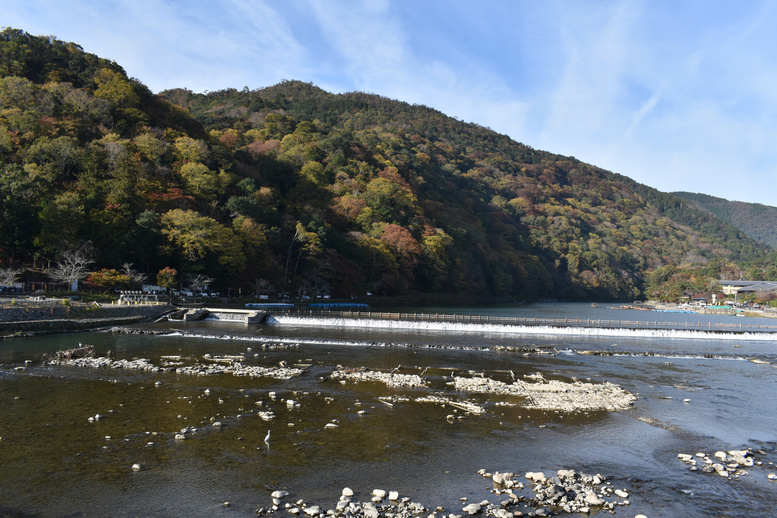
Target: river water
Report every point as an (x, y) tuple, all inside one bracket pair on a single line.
[(697, 391)]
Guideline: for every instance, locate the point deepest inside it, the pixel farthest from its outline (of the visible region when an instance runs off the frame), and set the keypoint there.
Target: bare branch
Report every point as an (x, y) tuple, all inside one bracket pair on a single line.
[(136, 278), (8, 276), (74, 264)]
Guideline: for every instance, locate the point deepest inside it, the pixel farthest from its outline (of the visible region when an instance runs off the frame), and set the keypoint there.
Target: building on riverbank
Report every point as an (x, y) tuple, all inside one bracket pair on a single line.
[(737, 288)]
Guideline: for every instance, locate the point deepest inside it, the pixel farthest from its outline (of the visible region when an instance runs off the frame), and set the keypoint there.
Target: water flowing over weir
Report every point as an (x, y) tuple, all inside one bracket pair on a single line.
[(518, 329)]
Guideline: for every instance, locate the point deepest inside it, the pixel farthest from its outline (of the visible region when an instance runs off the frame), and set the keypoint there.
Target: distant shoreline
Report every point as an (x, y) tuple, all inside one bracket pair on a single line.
[(23, 317)]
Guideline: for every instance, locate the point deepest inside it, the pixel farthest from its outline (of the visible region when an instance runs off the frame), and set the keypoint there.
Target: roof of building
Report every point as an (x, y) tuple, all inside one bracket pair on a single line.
[(750, 285)]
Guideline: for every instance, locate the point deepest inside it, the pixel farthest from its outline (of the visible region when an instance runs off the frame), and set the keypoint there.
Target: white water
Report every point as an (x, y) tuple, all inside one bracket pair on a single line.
[(517, 329)]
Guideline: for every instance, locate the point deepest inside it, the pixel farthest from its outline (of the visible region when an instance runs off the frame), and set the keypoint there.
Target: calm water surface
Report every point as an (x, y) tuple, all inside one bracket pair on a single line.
[(56, 463)]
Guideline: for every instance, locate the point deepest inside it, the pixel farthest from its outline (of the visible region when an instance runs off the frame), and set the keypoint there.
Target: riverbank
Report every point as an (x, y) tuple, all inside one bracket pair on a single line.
[(707, 310), (27, 317)]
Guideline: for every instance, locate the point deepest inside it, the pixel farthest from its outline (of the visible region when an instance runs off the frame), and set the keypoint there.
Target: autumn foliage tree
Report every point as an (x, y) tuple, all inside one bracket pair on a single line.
[(107, 279), (167, 277)]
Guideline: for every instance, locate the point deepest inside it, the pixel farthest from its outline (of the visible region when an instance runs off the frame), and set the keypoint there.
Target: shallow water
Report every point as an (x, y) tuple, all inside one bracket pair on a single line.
[(56, 463)]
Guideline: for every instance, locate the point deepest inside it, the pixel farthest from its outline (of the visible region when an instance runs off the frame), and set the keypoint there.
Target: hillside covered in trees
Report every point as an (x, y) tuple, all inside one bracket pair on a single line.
[(755, 219), (290, 188)]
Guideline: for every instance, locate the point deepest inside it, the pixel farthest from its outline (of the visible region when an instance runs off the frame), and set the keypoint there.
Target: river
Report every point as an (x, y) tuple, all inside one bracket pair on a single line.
[(696, 391)]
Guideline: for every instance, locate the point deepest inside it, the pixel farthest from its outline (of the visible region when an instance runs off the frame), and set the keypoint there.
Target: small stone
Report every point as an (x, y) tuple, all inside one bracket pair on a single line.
[(136, 467), (621, 494), (772, 476), (393, 496), (347, 492), (380, 493), (279, 494)]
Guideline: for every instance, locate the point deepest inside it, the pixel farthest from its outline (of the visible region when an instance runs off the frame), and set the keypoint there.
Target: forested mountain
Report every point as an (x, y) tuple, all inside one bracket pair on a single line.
[(291, 188), (755, 219)]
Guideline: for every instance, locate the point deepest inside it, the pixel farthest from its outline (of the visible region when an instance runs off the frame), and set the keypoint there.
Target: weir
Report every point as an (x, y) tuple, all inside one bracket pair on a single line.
[(519, 329), (528, 324), (246, 316)]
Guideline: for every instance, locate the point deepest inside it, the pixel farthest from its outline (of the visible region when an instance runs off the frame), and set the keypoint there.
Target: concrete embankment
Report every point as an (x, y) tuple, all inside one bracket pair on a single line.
[(21, 316)]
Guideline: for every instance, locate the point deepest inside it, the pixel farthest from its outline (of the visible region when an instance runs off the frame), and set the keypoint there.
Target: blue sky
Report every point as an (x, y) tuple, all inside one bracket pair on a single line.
[(677, 95)]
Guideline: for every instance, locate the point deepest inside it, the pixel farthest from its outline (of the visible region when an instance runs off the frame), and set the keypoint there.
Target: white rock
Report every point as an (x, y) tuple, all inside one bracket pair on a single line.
[(393, 496), (279, 494), (380, 493), (180, 437), (538, 476), (720, 455), (347, 491), (502, 478), (472, 509), (312, 510), (772, 476), (592, 499), (136, 467)]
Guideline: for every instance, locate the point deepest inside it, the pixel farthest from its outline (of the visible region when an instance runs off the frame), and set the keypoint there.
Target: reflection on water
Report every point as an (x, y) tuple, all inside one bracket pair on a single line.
[(693, 395)]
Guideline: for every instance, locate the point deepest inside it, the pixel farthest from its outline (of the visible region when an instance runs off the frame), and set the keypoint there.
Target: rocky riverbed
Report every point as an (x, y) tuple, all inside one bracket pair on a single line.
[(540, 394), (209, 366), (533, 494), (728, 464)]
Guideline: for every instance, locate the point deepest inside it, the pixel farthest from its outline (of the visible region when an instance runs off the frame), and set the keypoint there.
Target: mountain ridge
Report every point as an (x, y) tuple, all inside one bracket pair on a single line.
[(757, 220), (291, 188)]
